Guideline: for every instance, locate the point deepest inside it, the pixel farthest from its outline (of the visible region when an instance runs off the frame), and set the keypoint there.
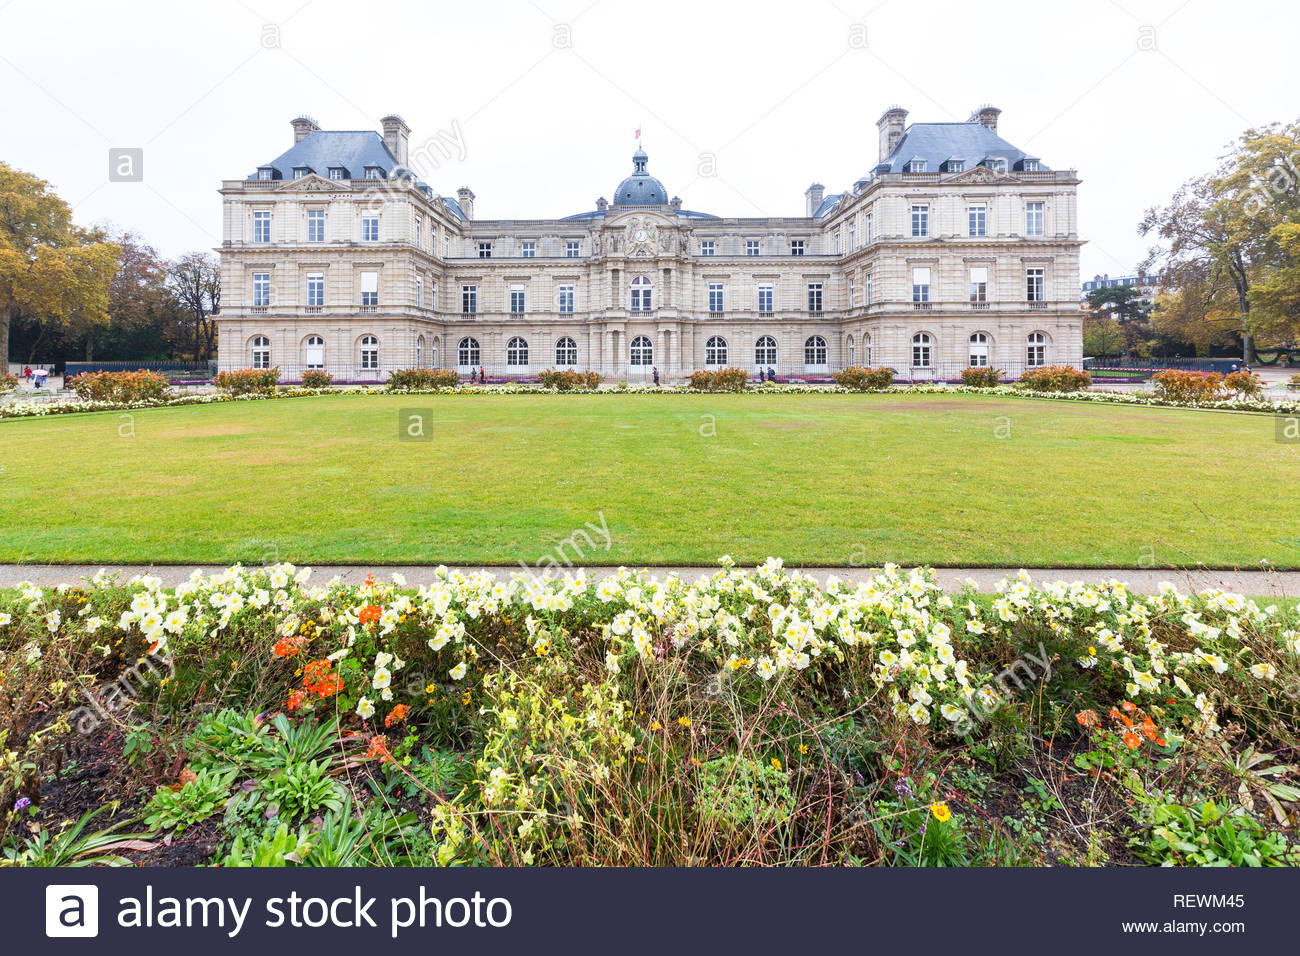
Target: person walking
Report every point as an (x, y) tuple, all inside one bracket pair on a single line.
[(482, 375), (655, 370)]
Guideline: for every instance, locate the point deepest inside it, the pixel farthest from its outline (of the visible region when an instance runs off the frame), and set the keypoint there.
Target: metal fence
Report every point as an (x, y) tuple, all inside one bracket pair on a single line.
[(1156, 364), (171, 369)]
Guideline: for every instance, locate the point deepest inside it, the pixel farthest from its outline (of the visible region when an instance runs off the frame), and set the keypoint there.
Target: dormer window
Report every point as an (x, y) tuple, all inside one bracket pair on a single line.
[(300, 171), (338, 172), (266, 172), (995, 163), (915, 166), (1031, 165), (374, 172), (954, 166)]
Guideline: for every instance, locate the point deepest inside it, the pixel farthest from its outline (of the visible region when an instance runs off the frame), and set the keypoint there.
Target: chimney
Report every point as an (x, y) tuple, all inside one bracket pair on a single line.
[(891, 125), (986, 116), (397, 136), (303, 127), (602, 204), (814, 194), (676, 203), (465, 196)]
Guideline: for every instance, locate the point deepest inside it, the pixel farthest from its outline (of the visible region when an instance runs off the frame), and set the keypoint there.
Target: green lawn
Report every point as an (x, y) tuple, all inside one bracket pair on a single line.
[(816, 479)]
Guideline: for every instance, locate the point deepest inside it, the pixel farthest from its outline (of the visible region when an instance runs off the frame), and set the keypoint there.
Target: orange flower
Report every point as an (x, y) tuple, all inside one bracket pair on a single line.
[(295, 700), (397, 715), (379, 748), (288, 646), (1129, 706), (1132, 740), (370, 613), (1087, 718)]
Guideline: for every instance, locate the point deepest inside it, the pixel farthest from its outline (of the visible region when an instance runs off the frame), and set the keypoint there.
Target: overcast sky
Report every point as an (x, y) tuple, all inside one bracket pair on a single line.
[(1137, 95)]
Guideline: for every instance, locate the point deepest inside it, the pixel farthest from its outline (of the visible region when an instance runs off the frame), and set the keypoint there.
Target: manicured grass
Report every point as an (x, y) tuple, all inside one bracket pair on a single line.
[(816, 479)]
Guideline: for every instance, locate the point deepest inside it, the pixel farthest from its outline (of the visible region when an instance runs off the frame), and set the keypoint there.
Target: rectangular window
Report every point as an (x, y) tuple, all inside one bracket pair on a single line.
[(751, 247), (419, 230), (707, 247), (765, 297), (433, 295), (469, 299), (261, 227), (814, 296), (517, 299), (261, 289), (853, 236), (336, 172), (530, 249), (796, 247), (315, 289), (369, 290), (920, 220), (866, 289), (1033, 219), (979, 283), (374, 172), (867, 222), (370, 229), (571, 249), (316, 225), (566, 298), (715, 296), (265, 174), (1035, 285), (485, 250), (916, 166), (977, 217), (1031, 166), (853, 294), (921, 284)]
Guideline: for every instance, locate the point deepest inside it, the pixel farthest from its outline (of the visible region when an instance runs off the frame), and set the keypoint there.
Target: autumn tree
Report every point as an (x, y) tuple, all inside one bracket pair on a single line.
[(49, 268), (195, 281), (1218, 237)]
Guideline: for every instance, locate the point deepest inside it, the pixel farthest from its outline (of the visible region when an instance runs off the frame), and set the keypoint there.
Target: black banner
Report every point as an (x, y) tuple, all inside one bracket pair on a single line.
[(648, 911)]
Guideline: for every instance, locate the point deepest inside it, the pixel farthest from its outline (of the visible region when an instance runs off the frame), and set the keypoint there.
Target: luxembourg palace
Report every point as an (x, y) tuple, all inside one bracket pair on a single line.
[(954, 249)]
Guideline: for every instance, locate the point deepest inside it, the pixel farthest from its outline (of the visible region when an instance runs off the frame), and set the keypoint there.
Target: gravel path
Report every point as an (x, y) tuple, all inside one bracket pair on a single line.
[(1257, 583)]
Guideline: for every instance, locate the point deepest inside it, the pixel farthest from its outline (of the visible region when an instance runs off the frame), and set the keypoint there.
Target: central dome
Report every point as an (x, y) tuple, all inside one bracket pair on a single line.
[(640, 189)]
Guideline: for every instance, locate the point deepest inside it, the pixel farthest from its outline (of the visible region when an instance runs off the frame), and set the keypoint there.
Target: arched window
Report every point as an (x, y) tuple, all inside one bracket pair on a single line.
[(643, 353), (853, 351), (814, 351), (566, 352), (1037, 351), (979, 350), (419, 352), (641, 288), (517, 352), (433, 352), (314, 352), (467, 353), (715, 351), (921, 346), (765, 350), (866, 349), (369, 353), (261, 351)]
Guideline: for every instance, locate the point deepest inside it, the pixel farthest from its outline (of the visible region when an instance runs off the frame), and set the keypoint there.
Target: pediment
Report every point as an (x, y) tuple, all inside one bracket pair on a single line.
[(981, 175), (315, 183)]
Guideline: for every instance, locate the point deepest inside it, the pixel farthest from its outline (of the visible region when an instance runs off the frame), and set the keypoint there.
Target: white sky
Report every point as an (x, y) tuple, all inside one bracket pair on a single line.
[(782, 93)]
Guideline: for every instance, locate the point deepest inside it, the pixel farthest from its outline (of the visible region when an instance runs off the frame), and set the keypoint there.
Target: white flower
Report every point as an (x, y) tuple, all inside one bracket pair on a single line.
[(4, 620), (365, 708), (950, 712), (382, 678), (52, 620), (611, 662), (1263, 671), (458, 671)]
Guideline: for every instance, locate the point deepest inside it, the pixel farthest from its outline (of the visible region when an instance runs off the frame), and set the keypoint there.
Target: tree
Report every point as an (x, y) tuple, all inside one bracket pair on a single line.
[(195, 280), (1219, 231), (1102, 336), (49, 268), (1123, 303), (1276, 300)]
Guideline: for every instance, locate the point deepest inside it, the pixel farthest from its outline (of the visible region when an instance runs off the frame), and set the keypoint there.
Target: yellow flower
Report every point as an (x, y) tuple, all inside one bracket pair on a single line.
[(803, 748), (684, 721), (655, 725), (941, 812), (776, 764)]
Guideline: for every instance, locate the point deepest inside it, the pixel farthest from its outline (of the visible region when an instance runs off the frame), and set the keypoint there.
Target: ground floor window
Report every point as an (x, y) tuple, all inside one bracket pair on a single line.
[(715, 351), (517, 352), (566, 352), (921, 350), (467, 353), (765, 351), (979, 350), (643, 351), (314, 353), (814, 351), (1037, 351), (369, 353), (261, 351)]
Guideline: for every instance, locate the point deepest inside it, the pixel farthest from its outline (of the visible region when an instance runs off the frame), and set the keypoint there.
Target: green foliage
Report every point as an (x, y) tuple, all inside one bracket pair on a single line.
[(71, 845), (248, 381), (421, 379), (316, 378), (1055, 378), (986, 377), (567, 380), (859, 379), (1210, 834), (300, 788), (738, 794), (720, 380), (120, 387), (200, 798), (275, 848)]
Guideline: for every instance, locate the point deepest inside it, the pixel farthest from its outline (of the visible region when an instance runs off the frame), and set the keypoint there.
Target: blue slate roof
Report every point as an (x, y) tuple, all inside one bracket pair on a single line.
[(354, 150), (936, 143)]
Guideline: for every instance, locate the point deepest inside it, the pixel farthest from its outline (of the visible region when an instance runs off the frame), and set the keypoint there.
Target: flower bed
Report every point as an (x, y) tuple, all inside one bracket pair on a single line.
[(750, 717)]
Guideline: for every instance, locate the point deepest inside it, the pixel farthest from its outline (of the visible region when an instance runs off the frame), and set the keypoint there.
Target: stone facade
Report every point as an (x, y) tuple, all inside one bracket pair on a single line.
[(928, 265)]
